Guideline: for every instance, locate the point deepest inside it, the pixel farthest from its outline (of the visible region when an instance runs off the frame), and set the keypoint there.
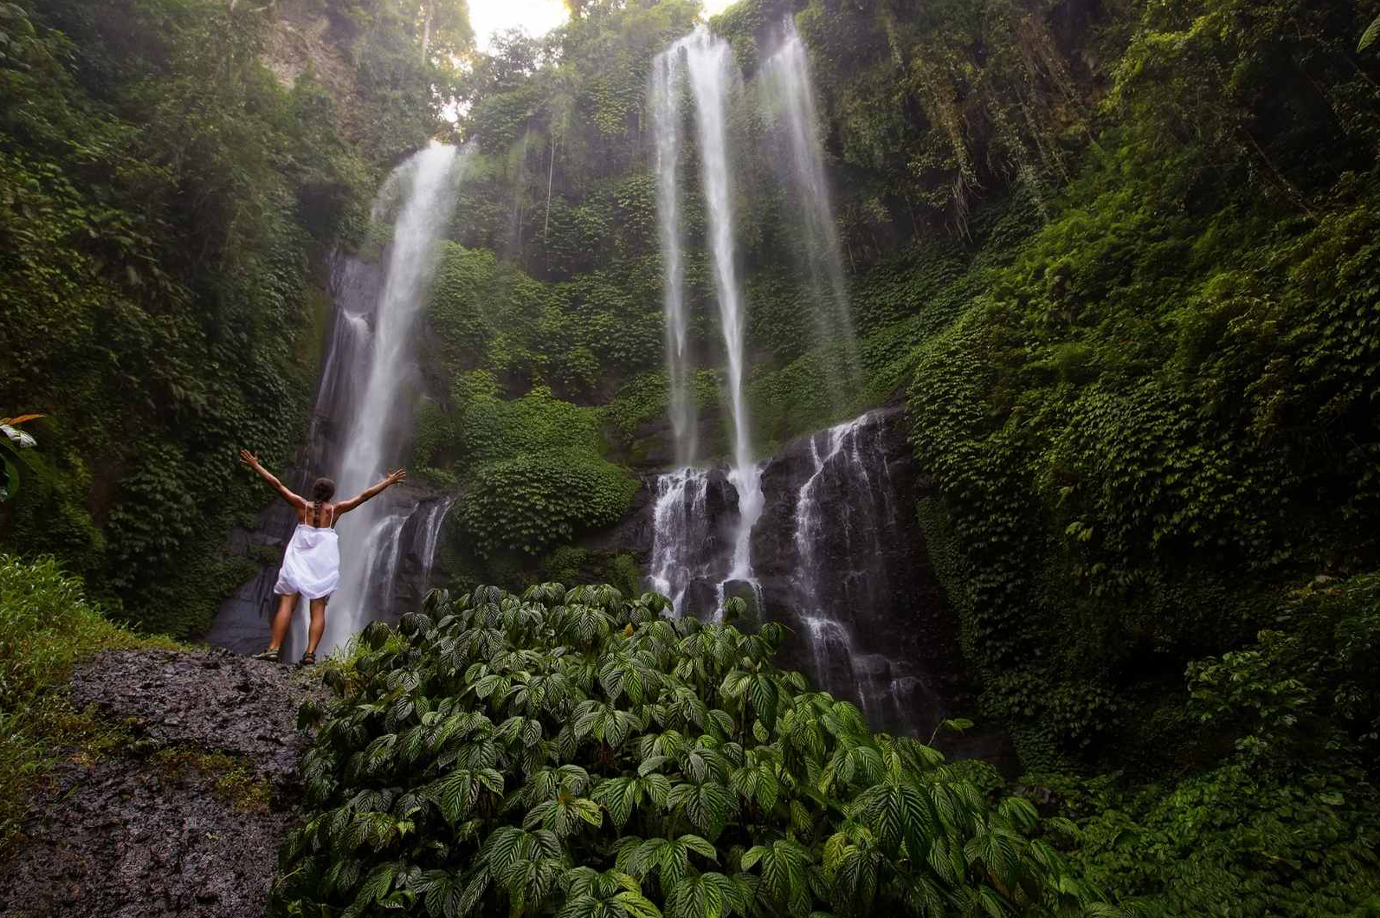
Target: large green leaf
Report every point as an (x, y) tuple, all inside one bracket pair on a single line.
[(1369, 37)]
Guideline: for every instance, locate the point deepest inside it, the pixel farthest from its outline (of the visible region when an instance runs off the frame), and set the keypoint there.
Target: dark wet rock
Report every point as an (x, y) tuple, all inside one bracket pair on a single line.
[(633, 533), (213, 701), (242, 623), (131, 835), (868, 619), (701, 598), (138, 843), (751, 619)]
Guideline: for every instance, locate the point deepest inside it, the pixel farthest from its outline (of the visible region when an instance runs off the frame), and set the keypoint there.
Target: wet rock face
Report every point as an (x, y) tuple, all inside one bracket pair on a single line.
[(842, 562), (213, 702), (131, 835), (135, 842), (838, 557)]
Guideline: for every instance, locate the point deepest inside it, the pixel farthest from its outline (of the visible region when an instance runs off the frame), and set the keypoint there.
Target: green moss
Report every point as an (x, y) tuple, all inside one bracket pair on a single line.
[(231, 778), (803, 396), (529, 503), (572, 564)]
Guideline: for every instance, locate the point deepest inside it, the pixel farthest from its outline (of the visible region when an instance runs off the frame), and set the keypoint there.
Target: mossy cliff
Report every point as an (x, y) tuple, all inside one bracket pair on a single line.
[(1116, 260)]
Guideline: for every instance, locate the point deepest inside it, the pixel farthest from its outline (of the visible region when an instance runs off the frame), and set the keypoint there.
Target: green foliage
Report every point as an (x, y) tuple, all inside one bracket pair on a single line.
[(636, 417), (1369, 36), (47, 625), (531, 502), (1282, 821), (486, 314), (13, 442), (940, 100), (405, 62), (573, 752), (531, 468), (1231, 842), (1306, 683), (1117, 422), (570, 564), (162, 197), (801, 397)]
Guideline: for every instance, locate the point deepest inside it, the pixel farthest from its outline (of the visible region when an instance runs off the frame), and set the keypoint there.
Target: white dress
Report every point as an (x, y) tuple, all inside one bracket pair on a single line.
[(311, 565)]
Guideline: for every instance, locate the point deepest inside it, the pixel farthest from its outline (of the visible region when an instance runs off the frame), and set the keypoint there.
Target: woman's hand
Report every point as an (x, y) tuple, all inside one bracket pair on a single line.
[(249, 459), (395, 476)]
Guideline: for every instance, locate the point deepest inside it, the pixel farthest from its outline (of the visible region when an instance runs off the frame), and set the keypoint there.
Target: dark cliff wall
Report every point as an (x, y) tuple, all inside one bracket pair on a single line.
[(838, 557)]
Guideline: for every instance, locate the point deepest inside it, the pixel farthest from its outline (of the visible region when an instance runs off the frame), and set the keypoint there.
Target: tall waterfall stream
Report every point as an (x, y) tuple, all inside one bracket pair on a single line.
[(371, 538), (361, 424), (704, 520)]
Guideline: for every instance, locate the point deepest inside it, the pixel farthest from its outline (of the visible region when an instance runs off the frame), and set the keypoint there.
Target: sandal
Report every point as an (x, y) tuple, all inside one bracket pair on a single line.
[(270, 655), (308, 659)]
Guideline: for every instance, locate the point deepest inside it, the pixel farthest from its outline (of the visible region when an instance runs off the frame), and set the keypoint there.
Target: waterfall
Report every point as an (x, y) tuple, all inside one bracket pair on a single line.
[(679, 523), (667, 88), (369, 382), (705, 63), (789, 98), (709, 63), (849, 481), (431, 536)]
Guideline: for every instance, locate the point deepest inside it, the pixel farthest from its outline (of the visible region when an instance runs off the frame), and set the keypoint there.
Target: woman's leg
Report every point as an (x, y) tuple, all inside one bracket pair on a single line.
[(318, 623), (281, 619)]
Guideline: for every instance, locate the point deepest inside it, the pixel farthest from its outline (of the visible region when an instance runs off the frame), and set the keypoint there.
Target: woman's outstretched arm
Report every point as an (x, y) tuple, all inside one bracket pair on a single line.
[(252, 461), (391, 478)]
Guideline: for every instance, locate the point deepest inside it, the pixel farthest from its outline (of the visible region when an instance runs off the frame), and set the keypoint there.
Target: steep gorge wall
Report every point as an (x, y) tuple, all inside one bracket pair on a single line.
[(1062, 280)]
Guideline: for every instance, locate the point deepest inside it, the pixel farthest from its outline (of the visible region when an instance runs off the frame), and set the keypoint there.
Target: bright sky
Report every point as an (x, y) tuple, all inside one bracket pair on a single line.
[(536, 16)]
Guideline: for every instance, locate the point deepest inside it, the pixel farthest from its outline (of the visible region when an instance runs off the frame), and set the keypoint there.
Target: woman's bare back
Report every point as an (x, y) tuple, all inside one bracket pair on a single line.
[(319, 514)]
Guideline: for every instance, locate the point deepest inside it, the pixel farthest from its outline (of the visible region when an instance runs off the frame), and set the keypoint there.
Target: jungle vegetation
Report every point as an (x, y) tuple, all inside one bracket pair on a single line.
[(572, 752), (1117, 259)]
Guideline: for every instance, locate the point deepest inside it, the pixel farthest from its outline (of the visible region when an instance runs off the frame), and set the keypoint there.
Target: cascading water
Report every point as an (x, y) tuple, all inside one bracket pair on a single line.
[(400, 542), (705, 63), (431, 535), (679, 522), (829, 554), (709, 64), (667, 87), (839, 574), (370, 543), (789, 101)]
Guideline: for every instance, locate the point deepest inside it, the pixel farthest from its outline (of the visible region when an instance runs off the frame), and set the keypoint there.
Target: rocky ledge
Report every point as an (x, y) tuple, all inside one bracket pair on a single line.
[(185, 816)]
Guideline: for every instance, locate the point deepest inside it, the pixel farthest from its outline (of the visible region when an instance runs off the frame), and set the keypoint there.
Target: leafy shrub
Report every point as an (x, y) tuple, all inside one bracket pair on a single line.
[(532, 502), (640, 407), (1307, 682), (494, 430), (1231, 842), (575, 753)]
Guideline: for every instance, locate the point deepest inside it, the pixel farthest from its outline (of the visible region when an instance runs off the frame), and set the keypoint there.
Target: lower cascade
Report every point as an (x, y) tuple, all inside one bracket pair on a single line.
[(832, 558)]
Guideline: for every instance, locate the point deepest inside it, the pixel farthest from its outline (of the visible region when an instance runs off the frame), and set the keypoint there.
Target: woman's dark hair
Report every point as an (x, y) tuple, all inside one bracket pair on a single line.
[(323, 489)]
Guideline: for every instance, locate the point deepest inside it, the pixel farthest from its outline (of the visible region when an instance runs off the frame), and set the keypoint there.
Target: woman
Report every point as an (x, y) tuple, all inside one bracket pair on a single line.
[(311, 565)]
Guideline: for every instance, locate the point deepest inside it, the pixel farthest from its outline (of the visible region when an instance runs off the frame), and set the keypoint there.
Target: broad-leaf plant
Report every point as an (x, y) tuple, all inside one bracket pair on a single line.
[(576, 754)]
